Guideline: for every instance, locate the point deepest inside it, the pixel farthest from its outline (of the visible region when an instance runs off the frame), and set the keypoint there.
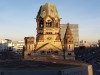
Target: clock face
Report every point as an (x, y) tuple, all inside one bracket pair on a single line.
[(49, 38)]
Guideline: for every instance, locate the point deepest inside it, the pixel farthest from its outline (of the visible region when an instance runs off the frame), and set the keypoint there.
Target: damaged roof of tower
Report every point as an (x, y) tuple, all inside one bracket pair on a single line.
[(48, 9)]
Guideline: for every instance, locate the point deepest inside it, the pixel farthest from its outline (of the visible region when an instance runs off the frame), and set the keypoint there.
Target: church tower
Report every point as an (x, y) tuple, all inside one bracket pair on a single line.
[(48, 31), (69, 44)]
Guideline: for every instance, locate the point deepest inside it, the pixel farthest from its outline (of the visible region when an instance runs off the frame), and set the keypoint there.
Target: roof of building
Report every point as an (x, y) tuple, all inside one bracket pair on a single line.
[(68, 33), (68, 30), (48, 9)]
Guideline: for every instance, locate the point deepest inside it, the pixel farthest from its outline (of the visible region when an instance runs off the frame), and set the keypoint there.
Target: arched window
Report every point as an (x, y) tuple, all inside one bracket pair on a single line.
[(48, 23), (42, 52), (69, 41), (41, 23), (40, 33), (55, 52), (69, 46), (48, 32), (48, 52), (69, 53)]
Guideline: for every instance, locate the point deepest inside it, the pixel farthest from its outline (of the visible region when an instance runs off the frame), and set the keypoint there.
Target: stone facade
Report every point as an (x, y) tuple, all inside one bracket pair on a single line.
[(48, 31), (48, 38), (69, 44), (29, 46)]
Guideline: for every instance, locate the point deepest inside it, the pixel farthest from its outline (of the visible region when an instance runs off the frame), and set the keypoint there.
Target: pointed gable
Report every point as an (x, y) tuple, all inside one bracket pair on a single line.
[(47, 47), (68, 33)]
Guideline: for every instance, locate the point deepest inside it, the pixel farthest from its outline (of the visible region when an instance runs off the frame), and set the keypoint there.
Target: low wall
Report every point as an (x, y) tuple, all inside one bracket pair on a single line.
[(71, 71)]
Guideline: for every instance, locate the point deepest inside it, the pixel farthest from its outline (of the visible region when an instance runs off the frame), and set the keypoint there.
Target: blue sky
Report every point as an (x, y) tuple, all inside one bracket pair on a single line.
[(17, 17)]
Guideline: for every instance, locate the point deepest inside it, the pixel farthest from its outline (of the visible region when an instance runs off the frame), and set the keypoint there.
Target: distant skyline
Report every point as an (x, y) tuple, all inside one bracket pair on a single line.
[(17, 17)]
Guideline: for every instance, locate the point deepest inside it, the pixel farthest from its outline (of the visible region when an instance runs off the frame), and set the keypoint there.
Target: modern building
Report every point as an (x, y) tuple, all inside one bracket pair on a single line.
[(3, 45), (75, 32), (94, 44), (18, 46), (85, 43), (9, 44), (88, 44), (6, 44)]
